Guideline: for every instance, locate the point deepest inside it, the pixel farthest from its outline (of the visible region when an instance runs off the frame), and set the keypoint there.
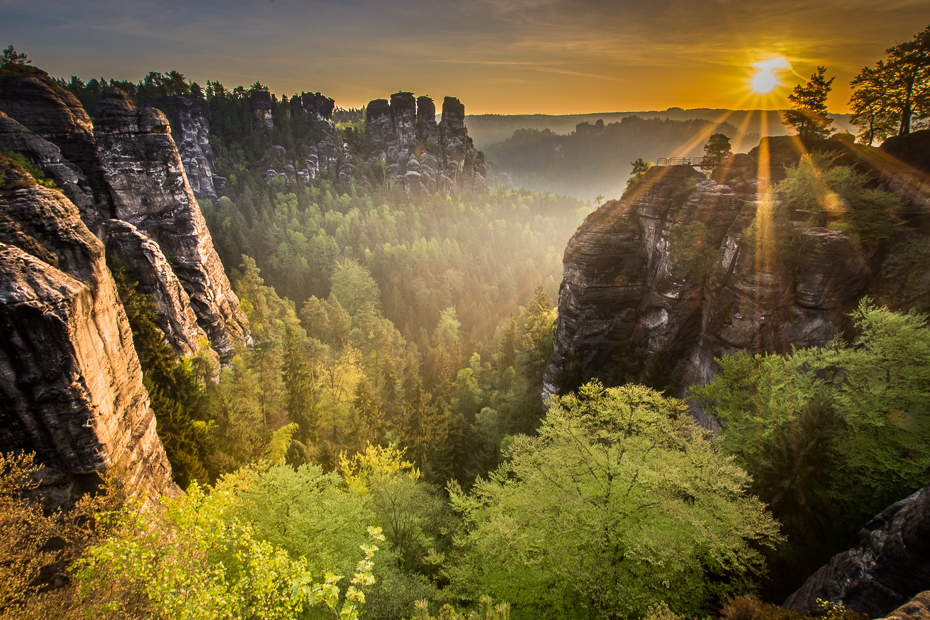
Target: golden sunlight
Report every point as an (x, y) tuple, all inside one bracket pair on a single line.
[(765, 79)]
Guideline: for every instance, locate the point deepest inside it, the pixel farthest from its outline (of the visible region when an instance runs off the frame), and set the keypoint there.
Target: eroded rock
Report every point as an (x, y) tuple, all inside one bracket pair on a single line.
[(889, 566), (150, 191), (70, 382)]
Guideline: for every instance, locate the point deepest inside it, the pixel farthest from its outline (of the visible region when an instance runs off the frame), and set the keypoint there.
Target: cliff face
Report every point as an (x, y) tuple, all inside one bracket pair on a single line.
[(889, 566), (191, 134), (150, 191), (70, 382), (36, 102), (423, 155), (684, 269)]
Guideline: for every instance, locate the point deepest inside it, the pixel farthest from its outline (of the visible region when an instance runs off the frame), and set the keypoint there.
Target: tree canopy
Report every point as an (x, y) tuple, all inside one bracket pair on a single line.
[(887, 97), (809, 116), (621, 501)]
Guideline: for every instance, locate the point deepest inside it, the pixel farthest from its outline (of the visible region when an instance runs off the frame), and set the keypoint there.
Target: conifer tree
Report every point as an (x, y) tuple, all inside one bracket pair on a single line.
[(809, 116)]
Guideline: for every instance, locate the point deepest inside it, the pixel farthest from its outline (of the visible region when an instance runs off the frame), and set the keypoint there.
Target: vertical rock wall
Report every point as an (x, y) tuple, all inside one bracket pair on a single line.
[(191, 134), (38, 103), (150, 191), (70, 382), (425, 156), (630, 290)]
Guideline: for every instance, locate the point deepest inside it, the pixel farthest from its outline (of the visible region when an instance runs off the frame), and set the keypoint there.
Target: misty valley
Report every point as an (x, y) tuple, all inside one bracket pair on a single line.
[(263, 356)]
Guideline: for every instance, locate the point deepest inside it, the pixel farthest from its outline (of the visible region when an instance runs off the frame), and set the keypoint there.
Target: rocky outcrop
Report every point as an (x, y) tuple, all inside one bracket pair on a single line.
[(148, 266), (423, 155), (150, 191), (918, 608), (47, 157), (70, 382), (38, 103), (684, 269), (904, 165), (889, 566), (262, 107), (320, 107), (191, 133)]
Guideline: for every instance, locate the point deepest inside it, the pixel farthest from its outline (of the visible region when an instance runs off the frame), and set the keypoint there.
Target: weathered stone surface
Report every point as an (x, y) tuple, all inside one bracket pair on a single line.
[(889, 566), (150, 191), (47, 157), (918, 608), (903, 163), (262, 107), (408, 138), (191, 134), (174, 315), (625, 288), (319, 106), (38, 103), (70, 382)]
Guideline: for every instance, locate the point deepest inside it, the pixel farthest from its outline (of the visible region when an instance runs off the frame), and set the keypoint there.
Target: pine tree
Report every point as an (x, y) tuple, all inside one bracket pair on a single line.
[(809, 116), (299, 385)]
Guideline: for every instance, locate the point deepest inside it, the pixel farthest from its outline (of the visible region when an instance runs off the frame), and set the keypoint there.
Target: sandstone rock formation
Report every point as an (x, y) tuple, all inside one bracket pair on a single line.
[(47, 157), (918, 608), (889, 566), (70, 382), (191, 134), (37, 102), (149, 190), (683, 269), (174, 315), (262, 107), (425, 156)]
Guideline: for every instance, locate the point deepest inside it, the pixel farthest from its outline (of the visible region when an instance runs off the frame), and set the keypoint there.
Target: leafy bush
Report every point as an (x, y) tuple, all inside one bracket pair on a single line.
[(26, 166), (866, 215), (831, 435)]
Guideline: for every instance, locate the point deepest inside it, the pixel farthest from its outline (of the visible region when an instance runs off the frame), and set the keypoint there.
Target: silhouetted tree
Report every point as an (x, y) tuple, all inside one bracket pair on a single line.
[(809, 116)]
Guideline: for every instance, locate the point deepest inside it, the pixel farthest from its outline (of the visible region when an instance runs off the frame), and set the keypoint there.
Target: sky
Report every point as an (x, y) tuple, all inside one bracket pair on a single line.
[(497, 56)]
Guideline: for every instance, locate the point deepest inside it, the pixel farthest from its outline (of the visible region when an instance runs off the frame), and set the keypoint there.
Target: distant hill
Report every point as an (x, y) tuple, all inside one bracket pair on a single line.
[(488, 129), (586, 155)]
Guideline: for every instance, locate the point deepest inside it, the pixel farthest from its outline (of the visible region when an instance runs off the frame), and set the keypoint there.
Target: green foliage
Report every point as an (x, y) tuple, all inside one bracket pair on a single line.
[(809, 116), (175, 386), (839, 192), (831, 435), (691, 251), (619, 502), (191, 563), (308, 513), (717, 148), (353, 286), (887, 97), (27, 166)]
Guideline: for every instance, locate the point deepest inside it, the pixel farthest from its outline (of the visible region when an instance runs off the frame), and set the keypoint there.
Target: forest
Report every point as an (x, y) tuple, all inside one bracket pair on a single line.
[(594, 159), (382, 449)]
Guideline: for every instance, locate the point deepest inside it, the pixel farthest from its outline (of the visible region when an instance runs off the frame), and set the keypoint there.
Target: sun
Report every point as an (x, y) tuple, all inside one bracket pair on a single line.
[(765, 79)]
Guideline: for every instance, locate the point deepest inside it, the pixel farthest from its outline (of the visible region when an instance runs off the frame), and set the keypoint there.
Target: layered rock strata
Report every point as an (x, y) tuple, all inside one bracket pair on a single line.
[(423, 155), (47, 157), (889, 566), (191, 133), (150, 191), (38, 103), (70, 382), (684, 269), (174, 315)]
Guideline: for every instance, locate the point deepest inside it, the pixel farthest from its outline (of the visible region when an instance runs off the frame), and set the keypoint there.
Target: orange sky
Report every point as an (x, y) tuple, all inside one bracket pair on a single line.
[(497, 56)]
